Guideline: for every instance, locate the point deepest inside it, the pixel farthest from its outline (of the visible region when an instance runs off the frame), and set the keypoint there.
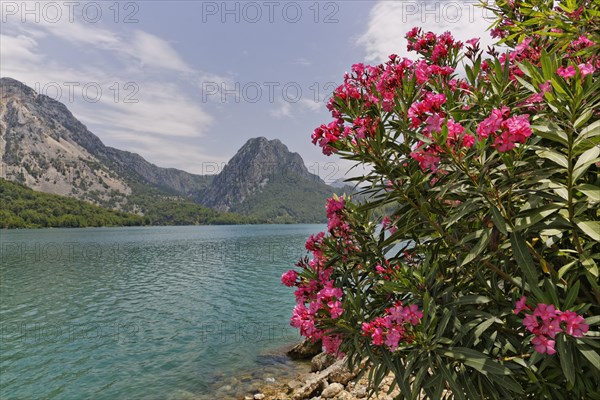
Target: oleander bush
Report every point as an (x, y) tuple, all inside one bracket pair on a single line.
[(483, 280)]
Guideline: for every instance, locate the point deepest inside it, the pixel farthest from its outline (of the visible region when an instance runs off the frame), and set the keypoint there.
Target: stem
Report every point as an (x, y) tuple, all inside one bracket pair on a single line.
[(570, 184)]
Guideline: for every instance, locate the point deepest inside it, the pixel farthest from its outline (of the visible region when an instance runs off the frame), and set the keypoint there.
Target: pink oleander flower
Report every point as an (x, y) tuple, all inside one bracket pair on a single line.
[(551, 321), (574, 324), (334, 205), (332, 344), (392, 339), (380, 269), (468, 141), (472, 42), (392, 328), (335, 309), (422, 72), (524, 45), (531, 323), (412, 314), (492, 123), (378, 338), (386, 222), (514, 130), (545, 311), (543, 344), (550, 327), (582, 42), (289, 278), (586, 69), (566, 73), (521, 305)]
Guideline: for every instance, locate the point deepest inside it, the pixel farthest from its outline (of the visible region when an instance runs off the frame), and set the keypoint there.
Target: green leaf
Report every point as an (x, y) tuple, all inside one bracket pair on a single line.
[(571, 296), (595, 320), (554, 156), (551, 131), (476, 360), (478, 248), (524, 260), (565, 357), (482, 327), (526, 84), (583, 118), (588, 132), (451, 380), (591, 191), (565, 268), (590, 266), (535, 216), (590, 228), (472, 299), (588, 158), (591, 355), (499, 220)]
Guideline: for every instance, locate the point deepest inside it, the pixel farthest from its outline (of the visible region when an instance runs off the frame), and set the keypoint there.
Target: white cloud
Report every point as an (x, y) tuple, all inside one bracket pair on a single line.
[(153, 51), (166, 124), (390, 20), (312, 105), (18, 49), (303, 61), (283, 110)]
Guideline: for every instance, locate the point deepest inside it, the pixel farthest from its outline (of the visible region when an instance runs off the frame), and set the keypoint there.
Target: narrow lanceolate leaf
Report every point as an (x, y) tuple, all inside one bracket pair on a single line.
[(588, 158), (566, 358), (476, 360), (554, 156), (472, 299), (591, 191), (524, 259), (552, 132), (591, 355), (479, 247), (534, 216), (499, 220), (457, 391), (587, 133), (571, 296), (482, 327), (590, 228)]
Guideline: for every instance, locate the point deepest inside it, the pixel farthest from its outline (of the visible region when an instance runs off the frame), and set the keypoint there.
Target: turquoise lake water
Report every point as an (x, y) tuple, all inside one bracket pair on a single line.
[(145, 312)]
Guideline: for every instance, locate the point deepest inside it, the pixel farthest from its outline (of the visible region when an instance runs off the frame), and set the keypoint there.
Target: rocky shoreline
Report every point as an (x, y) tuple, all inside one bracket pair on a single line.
[(329, 379)]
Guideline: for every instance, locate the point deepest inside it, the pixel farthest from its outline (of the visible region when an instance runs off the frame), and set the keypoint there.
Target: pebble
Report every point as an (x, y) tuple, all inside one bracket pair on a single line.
[(332, 390), (259, 396)]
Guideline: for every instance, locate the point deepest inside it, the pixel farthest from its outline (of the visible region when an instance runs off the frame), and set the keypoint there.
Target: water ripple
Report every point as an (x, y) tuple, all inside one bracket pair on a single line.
[(149, 313)]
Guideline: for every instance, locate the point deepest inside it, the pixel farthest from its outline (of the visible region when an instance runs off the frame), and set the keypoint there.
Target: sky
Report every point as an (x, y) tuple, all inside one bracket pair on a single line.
[(186, 83)]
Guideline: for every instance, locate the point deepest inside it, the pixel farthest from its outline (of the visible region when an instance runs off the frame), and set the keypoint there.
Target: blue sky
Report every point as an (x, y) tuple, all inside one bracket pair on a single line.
[(186, 83)]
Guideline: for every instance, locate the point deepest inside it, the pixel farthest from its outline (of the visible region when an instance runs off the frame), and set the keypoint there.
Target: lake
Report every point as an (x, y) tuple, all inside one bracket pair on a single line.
[(146, 312)]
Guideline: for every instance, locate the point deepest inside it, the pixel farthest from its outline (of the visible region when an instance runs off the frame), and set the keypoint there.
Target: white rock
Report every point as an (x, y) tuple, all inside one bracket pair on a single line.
[(331, 390), (259, 396)]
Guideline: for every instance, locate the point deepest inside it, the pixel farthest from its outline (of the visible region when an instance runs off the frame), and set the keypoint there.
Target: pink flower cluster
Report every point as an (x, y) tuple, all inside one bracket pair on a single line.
[(428, 115), (430, 45), (326, 134), (317, 297), (369, 85), (394, 326), (506, 131), (336, 224), (570, 71), (546, 321)]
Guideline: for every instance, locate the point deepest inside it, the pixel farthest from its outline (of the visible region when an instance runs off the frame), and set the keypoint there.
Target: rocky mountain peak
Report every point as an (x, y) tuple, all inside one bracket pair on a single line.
[(256, 164)]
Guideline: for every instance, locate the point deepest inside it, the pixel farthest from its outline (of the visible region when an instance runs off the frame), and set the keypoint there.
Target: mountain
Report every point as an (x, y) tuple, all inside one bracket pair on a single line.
[(265, 179), (44, 147)]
